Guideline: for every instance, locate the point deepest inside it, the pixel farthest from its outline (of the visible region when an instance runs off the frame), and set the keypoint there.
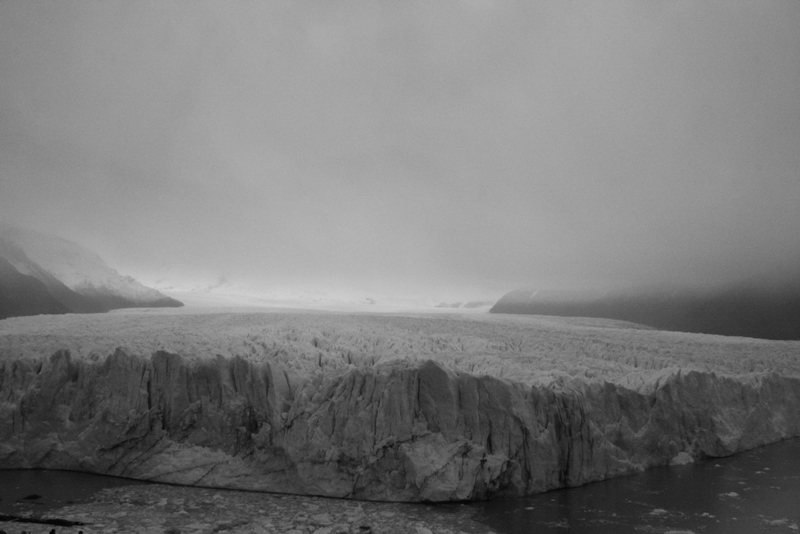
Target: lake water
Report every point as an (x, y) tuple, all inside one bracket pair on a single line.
[(38, 490), (757, 491)]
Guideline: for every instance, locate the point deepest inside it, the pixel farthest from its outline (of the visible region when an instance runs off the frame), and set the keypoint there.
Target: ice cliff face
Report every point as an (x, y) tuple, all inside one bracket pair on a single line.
[(401, 430)]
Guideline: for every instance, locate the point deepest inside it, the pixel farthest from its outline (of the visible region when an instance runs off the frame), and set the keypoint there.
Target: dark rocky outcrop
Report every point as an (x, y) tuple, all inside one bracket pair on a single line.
[(402, 430)]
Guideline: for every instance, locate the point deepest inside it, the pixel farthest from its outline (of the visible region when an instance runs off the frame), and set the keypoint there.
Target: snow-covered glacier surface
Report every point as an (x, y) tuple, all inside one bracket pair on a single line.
[(376, 406)]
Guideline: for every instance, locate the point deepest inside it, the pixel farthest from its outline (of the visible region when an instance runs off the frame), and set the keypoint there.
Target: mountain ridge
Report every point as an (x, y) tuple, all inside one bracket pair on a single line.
[(758, 308), (45, 274)]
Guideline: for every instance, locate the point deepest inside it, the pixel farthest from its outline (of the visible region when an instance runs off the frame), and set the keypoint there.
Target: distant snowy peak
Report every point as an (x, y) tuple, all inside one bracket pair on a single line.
[(73, 275)]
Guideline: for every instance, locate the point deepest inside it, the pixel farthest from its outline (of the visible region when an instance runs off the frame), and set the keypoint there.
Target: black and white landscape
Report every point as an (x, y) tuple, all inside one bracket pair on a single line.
[(395, 251)]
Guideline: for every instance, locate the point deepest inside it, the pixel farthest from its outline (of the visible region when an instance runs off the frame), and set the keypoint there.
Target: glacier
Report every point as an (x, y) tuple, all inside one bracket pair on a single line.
[(392, 408)]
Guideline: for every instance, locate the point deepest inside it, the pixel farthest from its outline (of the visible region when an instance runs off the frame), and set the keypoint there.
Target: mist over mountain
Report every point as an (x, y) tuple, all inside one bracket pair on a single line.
[(752, 307), (45, 274), (400, 148)]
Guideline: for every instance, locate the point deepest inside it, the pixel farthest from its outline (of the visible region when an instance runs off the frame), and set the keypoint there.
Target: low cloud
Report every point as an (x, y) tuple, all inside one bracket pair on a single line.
[(488, 145)]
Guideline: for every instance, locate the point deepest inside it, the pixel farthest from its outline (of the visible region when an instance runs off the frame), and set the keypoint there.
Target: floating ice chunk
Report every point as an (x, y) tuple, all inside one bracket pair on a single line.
[(682, 458), (777, 522)]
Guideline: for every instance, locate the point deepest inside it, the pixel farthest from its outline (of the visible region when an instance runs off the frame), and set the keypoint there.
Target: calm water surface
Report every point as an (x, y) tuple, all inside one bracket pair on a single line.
[(754, 492), (40, 490), (757, 491)]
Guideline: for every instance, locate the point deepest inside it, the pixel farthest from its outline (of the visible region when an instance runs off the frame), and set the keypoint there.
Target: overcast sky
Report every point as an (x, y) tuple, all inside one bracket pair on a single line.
[(387, 144)]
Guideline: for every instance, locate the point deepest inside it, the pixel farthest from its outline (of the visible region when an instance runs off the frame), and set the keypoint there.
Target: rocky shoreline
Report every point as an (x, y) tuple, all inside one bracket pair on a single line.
[(165, 509)]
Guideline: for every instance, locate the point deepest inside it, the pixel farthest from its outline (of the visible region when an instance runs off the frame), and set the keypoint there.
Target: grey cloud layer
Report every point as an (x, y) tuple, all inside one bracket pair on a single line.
[(478, 143)]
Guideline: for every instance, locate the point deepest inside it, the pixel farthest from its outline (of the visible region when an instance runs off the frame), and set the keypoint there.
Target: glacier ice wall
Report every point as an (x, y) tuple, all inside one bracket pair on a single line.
[(399, 430)]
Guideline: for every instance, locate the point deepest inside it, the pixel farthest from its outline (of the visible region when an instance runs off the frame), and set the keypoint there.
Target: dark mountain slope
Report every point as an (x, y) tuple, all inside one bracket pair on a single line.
[(749, 309), (69, 299), (24, 295), (73, 278)]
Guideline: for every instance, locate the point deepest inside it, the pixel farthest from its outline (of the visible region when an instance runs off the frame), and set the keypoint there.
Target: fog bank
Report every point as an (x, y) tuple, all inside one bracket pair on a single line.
[(466, 148)]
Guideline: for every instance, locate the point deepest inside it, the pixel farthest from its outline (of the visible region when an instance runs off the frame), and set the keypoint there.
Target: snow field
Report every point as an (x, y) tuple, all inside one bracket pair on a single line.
[(528, 349)]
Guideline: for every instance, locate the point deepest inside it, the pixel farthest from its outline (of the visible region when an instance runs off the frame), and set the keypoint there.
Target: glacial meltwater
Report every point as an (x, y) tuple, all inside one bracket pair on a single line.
[(34, 491), (753, 492), (756, 491)]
